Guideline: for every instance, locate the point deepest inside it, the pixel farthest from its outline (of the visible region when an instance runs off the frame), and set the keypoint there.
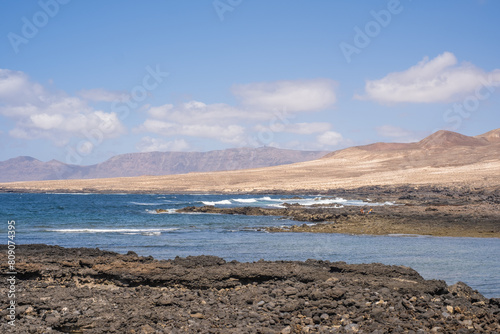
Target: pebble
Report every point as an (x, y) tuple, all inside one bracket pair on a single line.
[(194, 294)]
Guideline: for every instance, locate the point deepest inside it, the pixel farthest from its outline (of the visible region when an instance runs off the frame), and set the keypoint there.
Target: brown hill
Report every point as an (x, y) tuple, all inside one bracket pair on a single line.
[(442, 158), (491, 136), (153, 163), (447, 139), (28, 169)]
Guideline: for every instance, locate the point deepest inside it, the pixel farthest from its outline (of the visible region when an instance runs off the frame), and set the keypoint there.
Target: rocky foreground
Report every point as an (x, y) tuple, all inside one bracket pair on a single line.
[(437, 211), (83, 290)]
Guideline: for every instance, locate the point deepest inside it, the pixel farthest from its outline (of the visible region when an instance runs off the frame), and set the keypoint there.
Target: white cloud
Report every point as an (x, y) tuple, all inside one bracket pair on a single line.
[(199, 112), (330, 138), (222, 122), (161, 112), (400, 135), (156, 126), (16, 89), (148, 144), (234, 134), (297, 128), (46, 122), (99, 94), (293, 96), (440, 79), (40, 113), (265, 107), (392, 131)]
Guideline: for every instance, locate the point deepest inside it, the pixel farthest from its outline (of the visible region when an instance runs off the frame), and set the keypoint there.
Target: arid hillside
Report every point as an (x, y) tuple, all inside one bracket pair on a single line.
[(445, 158)]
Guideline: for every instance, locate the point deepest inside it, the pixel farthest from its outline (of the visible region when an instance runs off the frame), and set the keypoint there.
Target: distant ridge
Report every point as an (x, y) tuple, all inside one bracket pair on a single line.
[(440, 139), (442, 148), (491, 136), (447, 139), (442, 159), (153, 163)]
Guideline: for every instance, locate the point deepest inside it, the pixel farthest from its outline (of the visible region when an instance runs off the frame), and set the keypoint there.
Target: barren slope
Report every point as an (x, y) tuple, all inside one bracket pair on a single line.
[(442, 158)]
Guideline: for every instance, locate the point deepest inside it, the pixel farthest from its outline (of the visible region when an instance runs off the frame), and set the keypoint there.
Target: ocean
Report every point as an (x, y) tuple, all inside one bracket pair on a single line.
[(125, 222)]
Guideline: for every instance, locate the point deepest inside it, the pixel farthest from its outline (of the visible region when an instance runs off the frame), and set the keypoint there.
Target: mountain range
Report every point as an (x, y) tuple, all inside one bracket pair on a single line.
[(443, 158), (153, 163)]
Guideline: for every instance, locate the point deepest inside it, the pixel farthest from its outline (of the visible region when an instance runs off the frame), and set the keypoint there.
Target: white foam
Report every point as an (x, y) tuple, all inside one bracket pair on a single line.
[(115, 230), (245, 200), (154, 212), (151, 233), (143, 233), (318, 200), (148, 204), (225, 201)]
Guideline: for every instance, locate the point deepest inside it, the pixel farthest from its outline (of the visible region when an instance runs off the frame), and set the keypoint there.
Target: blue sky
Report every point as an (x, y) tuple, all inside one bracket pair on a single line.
[(81, 81)]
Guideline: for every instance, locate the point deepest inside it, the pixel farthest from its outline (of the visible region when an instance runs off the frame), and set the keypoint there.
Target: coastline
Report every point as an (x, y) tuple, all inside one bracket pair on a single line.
[(349, 169), (434, 211), (83, 290)]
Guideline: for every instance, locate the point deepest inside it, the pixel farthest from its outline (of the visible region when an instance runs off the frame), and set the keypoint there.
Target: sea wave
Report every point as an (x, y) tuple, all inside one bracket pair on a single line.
[(145, 231), (167, 211), (147, 204), (318, 200), (68, 193), (223, 202), (269, 199), (245, 200), (407, 235)]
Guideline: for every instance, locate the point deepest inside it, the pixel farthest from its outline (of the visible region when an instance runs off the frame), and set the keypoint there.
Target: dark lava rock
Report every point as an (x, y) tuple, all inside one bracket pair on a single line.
[(92, 291)]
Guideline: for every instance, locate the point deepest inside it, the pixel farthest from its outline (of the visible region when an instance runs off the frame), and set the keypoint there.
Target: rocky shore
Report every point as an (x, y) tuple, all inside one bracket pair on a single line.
[(82, 290), (437, 211)]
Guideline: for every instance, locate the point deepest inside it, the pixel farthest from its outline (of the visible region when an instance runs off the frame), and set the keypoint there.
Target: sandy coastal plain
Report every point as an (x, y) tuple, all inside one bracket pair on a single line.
[(445, 159)]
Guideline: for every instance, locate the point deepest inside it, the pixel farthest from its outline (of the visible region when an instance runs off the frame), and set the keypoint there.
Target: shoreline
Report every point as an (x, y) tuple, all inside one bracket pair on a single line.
[(375, 189), (83, 290), (380, 222), (458, 211), (424, 211)]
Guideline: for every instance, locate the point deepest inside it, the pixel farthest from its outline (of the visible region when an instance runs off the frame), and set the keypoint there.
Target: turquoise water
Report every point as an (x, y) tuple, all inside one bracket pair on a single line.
[(129, 222)]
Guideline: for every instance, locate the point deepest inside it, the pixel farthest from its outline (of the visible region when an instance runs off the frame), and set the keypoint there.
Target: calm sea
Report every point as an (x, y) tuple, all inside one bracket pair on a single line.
[(129, 222)]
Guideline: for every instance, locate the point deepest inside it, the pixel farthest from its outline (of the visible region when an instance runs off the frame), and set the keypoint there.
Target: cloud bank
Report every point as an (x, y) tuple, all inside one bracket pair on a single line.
[(441, 79), (41, 113), (267, 110), (294, 96), (265, 107)]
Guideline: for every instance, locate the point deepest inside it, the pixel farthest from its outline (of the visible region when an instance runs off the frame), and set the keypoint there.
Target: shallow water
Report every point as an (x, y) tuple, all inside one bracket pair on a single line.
[(129, 222)]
